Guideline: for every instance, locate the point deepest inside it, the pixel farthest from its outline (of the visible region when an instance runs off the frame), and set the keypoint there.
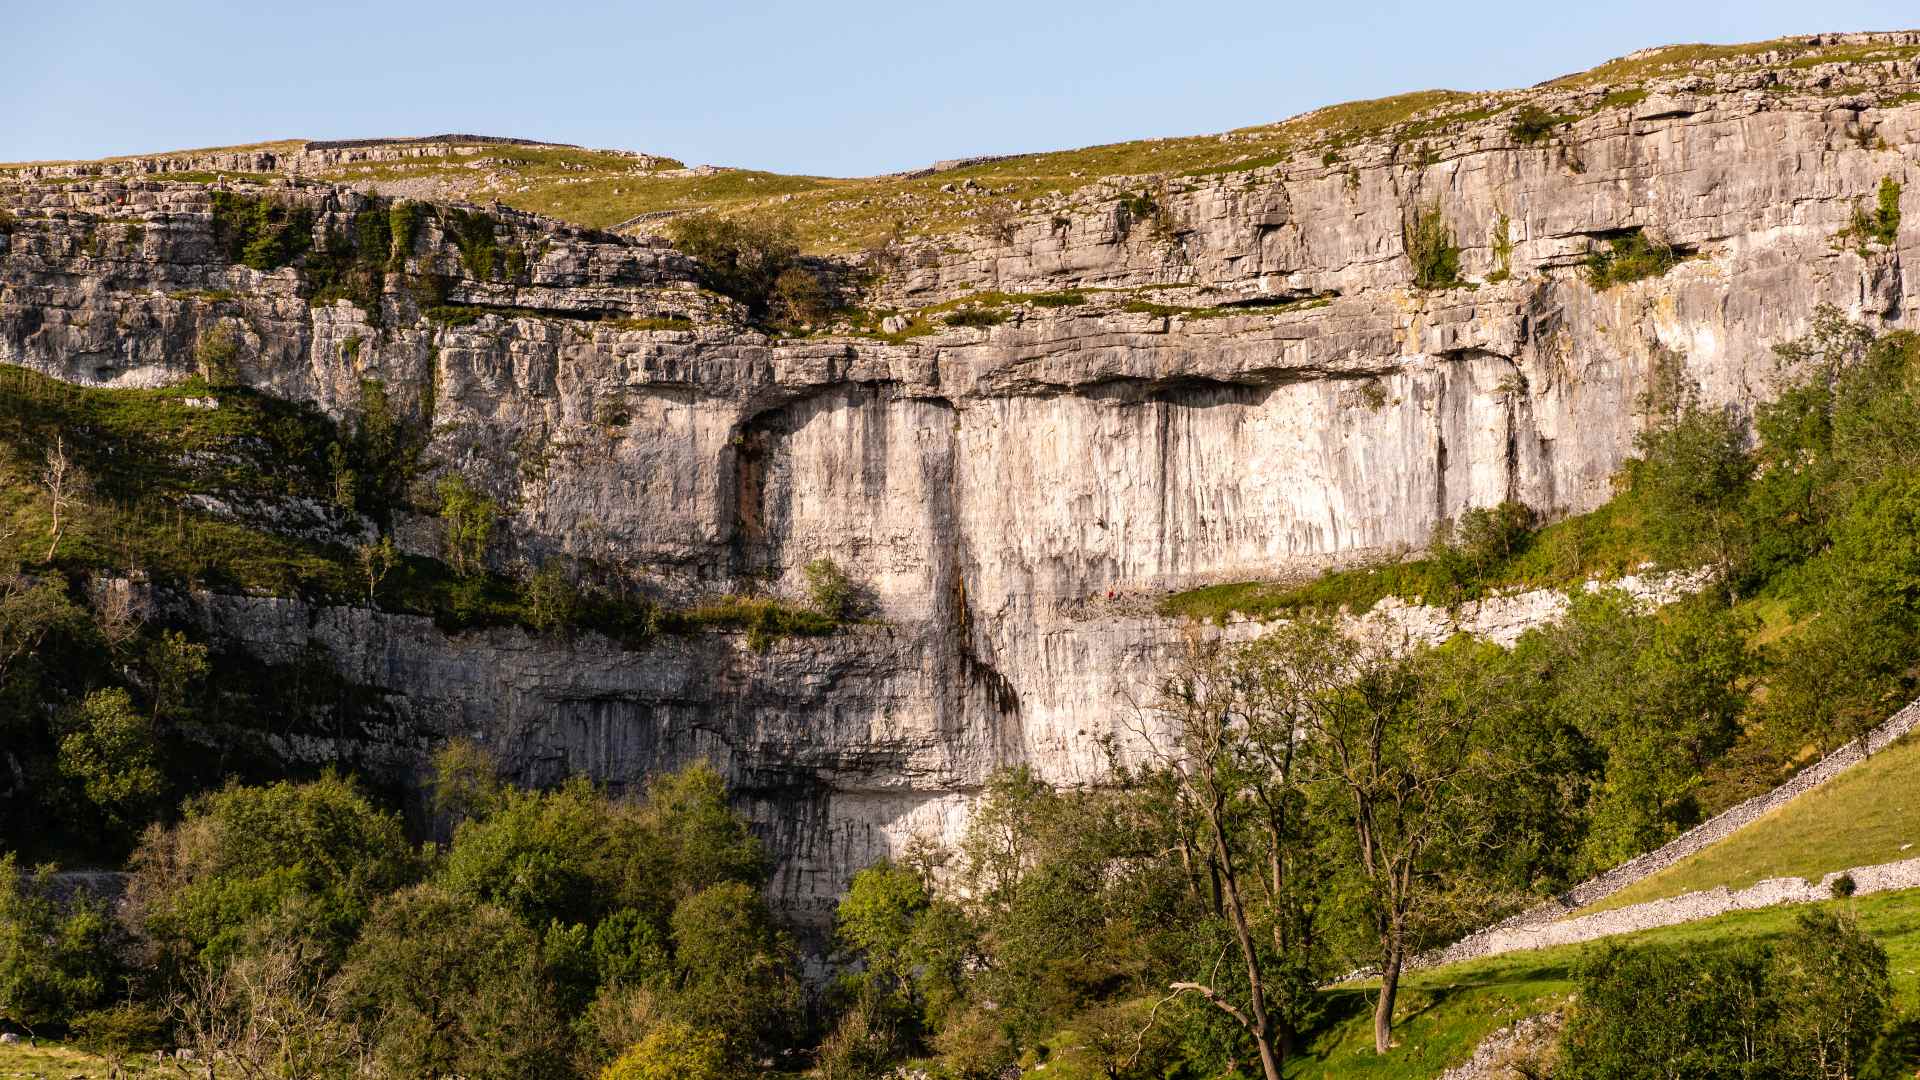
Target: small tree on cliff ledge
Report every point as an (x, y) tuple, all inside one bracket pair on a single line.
[(468, 516)]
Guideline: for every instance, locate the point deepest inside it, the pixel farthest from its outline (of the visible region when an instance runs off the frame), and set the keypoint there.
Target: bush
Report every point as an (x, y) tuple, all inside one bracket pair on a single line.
[(403, 221), (121, 1030), (803, 296), (448, 987), (1843, 887), (552, 603), (214, 355), (830, 589), (57, 959), (1881, 225), (475, 234), (1629, 258), (262, 232), (977, 317), (1484, 538), (1431, 250), (1810, 1006), (317, 854), (1533, 124), (674, 1051), (748, 260)]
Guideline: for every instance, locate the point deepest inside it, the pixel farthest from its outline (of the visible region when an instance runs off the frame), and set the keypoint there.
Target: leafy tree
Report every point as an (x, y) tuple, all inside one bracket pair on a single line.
[(874, 927), (468, 517), (272, 1012), (376, 560), (1405, 769), (110, 753), (803, 296), (314, 856), (740, 257), (1831, 980), (674, 1051), (1689, 483), (466, 782), (1638, 703), (31, 612), (697, 840), (447, 986), (548, 856), (1484, 538), (175, 665), (1235, 755), (58, 959), (735, 970), (552, 602)]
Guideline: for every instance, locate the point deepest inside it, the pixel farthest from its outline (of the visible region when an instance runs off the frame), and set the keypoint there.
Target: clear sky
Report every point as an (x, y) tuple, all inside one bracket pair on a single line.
[(833, 87)]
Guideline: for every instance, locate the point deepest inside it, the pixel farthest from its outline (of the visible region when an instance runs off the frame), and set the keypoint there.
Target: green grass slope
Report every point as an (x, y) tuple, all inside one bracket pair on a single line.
[(1445, 1012), (1868, 815)]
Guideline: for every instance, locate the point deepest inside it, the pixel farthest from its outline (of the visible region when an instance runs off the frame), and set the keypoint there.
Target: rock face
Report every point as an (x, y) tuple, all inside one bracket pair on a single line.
[(992, 488)]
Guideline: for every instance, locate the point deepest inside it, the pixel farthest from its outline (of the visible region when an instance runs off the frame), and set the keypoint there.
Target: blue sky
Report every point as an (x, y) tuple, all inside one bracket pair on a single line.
[(832, 88)]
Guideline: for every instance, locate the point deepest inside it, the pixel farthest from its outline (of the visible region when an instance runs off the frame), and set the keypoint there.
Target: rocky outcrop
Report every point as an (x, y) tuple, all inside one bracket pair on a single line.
[(984, 484), (1514, 1052), (310, 157)]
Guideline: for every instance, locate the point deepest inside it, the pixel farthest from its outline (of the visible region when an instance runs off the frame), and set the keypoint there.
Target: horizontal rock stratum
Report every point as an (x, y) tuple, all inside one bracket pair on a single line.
[(989, 487)]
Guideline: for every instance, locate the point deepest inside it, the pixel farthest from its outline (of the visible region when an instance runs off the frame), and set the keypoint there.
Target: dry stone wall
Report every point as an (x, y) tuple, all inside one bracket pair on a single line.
[(1547, 923)]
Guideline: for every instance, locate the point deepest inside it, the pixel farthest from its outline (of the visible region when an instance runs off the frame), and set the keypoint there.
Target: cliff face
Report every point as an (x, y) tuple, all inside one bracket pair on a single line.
[(1007, 494)]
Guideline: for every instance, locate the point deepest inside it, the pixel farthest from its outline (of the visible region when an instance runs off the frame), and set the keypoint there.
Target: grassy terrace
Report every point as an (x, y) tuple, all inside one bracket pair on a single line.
[(1869, 815), (1449, 1010), (1601, 544), (154, 455), (835, 215)]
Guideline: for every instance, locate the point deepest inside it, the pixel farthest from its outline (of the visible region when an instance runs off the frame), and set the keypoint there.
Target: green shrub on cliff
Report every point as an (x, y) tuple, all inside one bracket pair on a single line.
[(476, 235), (1629, 258), (467, 515), (1431, 249), (757, 262), (1880, 225), (260, 231), (1533, 124)]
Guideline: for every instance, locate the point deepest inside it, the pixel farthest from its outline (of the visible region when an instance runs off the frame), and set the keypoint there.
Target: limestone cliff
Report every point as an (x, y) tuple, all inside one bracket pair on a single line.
[(1248, 386)]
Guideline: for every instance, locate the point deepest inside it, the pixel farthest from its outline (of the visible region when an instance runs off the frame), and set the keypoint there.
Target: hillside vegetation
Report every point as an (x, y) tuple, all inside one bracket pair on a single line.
[(1869, 815)]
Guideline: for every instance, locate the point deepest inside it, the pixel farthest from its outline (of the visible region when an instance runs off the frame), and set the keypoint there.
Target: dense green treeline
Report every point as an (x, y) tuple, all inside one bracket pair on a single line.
[(294, 930)]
